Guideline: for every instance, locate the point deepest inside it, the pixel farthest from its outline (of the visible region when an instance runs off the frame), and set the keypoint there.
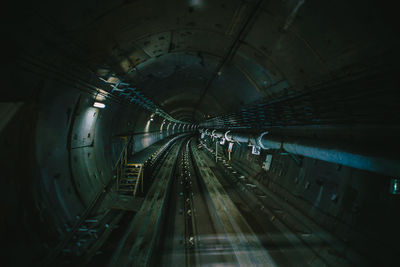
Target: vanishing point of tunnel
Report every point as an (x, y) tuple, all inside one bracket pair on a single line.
[(200, 133)]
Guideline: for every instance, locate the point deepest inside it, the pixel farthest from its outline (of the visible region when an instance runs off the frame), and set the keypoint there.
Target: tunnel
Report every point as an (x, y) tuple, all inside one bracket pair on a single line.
[(200, 133)]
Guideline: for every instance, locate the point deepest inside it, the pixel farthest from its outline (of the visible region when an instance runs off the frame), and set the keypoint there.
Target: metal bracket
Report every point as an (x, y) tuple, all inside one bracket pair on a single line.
[(258, 140), (227, 138)]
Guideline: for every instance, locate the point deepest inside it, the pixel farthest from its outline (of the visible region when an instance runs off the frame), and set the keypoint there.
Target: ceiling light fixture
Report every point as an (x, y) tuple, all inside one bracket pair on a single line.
[(99, 105)]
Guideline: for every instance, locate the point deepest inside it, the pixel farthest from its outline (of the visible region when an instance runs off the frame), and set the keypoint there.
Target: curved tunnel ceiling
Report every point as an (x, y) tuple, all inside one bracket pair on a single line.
[(205, 62), (200, 58)]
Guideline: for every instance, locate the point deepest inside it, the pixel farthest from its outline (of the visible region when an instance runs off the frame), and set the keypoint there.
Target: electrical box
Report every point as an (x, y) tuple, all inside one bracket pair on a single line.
[(256, 150)]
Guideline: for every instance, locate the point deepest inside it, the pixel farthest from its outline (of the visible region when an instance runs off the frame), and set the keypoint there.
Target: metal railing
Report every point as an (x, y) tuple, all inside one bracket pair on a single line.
[(122, 161), (128, 175)]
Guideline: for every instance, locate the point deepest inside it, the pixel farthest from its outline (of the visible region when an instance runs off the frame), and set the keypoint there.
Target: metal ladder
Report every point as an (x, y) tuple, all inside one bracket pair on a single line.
[(130, 179)]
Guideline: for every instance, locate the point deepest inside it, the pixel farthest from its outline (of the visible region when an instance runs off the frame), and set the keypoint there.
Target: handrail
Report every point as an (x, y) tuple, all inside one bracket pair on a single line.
[(120, 166), (140, 177), (123, 151)]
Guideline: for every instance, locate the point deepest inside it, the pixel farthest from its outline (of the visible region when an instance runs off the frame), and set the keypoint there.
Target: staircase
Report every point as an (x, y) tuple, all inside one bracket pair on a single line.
[(129, 175)]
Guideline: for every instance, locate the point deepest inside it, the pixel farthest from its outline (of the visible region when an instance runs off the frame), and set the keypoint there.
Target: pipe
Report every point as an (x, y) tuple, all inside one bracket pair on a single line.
[(344, 156), (325, 151)]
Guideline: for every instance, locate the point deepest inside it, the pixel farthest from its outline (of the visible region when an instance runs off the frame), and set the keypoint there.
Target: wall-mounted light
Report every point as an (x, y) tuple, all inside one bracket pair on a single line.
[(395, 186), (99, 105)]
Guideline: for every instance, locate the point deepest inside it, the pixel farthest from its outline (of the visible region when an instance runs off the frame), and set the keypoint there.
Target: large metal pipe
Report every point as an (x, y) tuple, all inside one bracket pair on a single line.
[(346, 155)]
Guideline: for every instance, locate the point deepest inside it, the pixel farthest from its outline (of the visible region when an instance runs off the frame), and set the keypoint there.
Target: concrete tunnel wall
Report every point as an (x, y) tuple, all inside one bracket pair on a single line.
[(52, 167), (61, 157)]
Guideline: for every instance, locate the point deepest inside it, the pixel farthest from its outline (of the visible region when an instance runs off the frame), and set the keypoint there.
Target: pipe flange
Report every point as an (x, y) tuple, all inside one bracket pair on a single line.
[(227, 138), (260, 138)]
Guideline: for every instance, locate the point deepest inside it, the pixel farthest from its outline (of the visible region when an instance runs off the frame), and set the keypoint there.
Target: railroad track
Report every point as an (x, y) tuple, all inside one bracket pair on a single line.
[(300, 240), (190, 235), (177, 241), (136, 247), (204, 227), (196, 213), (84, 242)]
